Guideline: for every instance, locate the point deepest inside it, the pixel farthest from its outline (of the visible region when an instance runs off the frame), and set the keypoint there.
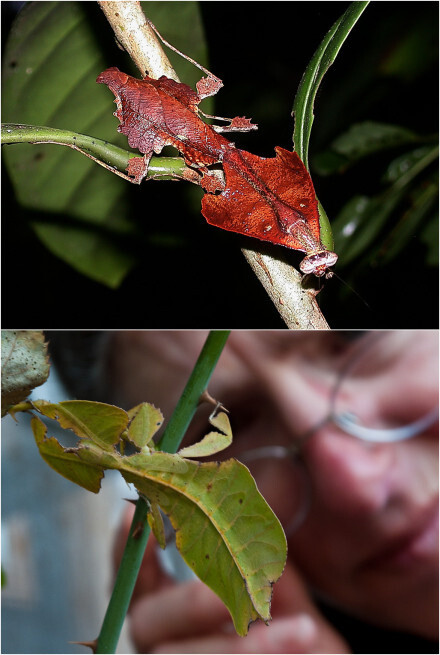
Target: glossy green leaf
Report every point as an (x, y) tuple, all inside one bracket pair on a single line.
[(323, 58), (360, 222), (399, 166), (358, 227), (365, 138), (423, 208), (303, 107), (359, 141), (24, 365), (52, 58), (429, 236)]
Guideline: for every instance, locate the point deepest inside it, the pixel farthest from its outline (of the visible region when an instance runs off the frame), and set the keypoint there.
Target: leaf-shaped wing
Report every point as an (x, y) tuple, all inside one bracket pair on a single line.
[(269, 199), (145, 420), (225, 531), (99, 422), (213, 442), (66, 463), (155, 522), (155, 113)]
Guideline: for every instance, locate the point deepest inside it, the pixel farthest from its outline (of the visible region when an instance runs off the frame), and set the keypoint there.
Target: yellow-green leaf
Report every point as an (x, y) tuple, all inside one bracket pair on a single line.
[(213, 442), (101, 423), (66, 461), (225, 531), (157, 461), (145, 421), (155, 522)]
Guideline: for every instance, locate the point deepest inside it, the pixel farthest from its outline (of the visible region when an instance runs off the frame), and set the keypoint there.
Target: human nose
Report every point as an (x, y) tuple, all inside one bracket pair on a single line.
[(350, 477)]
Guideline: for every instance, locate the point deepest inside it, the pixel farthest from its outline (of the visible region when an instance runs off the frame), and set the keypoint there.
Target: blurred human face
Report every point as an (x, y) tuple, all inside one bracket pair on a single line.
[(369, 543)]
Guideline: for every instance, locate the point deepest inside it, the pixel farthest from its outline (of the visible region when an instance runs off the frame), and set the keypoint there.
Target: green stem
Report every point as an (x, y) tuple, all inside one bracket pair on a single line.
[(196, 385), (137, 539), (99, 150)]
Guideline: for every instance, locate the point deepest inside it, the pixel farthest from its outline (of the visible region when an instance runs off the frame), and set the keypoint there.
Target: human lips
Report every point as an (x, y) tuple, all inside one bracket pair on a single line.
[(408, 550)]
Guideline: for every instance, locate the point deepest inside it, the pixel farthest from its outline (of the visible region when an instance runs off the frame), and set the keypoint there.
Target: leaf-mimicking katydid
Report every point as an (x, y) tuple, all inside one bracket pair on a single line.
[(269, 199)]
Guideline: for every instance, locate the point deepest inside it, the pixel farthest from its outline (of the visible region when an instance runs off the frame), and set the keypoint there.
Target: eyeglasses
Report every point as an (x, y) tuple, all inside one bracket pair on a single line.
[(386, 391)]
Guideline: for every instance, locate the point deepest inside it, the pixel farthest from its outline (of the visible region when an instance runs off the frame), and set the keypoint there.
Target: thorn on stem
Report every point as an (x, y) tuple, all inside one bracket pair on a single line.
[(93, 645), (138, 530), (133, 501), (207, 398)]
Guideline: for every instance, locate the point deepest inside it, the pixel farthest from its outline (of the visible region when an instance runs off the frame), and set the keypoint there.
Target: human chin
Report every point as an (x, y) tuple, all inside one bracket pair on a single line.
[(398, 583)]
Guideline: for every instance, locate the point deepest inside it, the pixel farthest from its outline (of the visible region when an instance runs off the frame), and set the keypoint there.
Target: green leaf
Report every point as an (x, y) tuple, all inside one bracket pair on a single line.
[(429, 237), (359, 141), (99, 422), (145, 421), (52, 58), (51, 61), (399, 166), (361, 221), (213, 442), (24, 364), (423, 207), (225, 531), (358, 227), (66, 463), (303, 106), (323, 58)]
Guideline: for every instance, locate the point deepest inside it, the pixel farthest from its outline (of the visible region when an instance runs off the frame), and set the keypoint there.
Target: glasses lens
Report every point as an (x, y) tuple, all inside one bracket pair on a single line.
[(390, 381), (282, 480)]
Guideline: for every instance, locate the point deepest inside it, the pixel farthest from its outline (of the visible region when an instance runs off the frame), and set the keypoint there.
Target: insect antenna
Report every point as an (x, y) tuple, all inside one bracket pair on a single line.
[(364, 302), (187, 57)]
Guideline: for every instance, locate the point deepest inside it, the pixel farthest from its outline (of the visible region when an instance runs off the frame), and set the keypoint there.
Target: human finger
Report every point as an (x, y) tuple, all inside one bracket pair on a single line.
[(176, 613), (297, 634), (191, 618)]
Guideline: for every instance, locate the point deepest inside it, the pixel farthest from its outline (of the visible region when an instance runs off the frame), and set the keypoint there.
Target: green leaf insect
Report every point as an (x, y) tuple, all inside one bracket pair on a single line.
[(225, 530)]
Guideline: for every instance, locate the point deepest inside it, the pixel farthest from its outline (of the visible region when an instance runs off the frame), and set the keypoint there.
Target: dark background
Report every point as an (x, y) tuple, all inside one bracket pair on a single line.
[(260, 51)]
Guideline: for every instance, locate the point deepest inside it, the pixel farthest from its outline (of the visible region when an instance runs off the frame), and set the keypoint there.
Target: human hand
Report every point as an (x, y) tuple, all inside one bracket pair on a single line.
[(189, 618)]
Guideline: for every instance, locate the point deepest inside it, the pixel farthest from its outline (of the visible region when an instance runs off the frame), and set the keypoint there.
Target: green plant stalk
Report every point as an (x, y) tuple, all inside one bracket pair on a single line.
[(196, 385), (99, 150), (139, 531)]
